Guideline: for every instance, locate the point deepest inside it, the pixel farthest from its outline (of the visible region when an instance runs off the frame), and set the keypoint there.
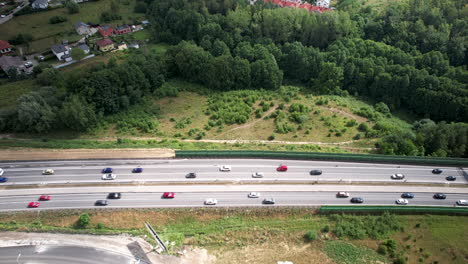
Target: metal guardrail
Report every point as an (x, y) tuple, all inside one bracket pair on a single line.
[(329, 209), (156, 237), (322, 156)]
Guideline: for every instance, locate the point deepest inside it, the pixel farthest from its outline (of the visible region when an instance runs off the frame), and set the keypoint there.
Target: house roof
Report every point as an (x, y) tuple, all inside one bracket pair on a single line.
[(105, 27), (122, 27), (41, 2), (6, 62), (4, 45), (58, 48), (83, 47), (104, 42), (80, 24)]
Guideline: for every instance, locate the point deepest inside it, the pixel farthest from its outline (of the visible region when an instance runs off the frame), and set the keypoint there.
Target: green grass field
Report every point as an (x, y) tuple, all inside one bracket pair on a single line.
[(11, 91)]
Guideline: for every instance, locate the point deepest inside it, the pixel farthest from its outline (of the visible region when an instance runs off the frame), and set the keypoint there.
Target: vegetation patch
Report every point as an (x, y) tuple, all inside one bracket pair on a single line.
[(346, 253)]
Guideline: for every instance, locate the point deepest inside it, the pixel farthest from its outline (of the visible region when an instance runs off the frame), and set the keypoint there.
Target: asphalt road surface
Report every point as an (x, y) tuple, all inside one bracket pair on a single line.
[(208, 171), (48, 254), (225, 199)]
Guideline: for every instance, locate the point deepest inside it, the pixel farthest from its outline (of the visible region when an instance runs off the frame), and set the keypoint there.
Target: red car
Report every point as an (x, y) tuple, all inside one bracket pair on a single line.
[(282, 168), (44, 198), (168, 195), (33, 204)]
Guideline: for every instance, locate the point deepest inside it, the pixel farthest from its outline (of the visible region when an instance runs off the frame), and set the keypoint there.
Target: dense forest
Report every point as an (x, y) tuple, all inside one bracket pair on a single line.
[(410, 55)]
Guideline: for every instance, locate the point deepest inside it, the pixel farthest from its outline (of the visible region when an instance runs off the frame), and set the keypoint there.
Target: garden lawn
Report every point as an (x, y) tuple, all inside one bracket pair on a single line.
[(11, 91)]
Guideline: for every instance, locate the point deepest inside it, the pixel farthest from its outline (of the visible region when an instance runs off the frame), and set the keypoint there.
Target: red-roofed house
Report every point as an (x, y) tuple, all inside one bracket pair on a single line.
[(106, 31), (105, 44), (123, 30), (4, 47)]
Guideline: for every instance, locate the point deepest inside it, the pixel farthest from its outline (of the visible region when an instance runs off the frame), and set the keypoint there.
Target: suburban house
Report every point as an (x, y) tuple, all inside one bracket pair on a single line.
[(121, 46), (105, 44), (62, 52), (4, 47), (84, 29), (13, 62), (80, 1), (319, 8), (123, 30), (323, 3), (83, 47), (106, 31), (40, 4)]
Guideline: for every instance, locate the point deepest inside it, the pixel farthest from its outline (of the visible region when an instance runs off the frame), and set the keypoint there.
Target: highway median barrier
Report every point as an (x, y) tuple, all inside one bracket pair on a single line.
[(322, 156), (330, 209)]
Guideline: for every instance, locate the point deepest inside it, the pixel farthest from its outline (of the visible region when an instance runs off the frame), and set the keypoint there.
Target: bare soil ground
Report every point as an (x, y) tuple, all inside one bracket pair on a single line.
[(64, 154)]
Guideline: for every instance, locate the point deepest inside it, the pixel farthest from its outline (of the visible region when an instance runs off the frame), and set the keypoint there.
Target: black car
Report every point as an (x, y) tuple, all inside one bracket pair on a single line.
[(357, 200), (440, 196), (407, 195), (191, 175), (101, 203), (450, 178), (114, 195), (437, 171), (269, 201), (137, 170), (107, 170), (315, 172)]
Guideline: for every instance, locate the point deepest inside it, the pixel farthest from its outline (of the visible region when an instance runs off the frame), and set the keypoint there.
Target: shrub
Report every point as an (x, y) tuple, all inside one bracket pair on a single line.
[(311, 235), (57, 19), (272, 136), (326, 229), (382, 108), (83, 220), (351, 123), (363, 127), (362, 227), (99, 226), (166, 90)]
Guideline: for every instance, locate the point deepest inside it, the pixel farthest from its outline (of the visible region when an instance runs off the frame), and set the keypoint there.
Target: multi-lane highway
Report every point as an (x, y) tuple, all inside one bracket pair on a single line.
[(208, 171)]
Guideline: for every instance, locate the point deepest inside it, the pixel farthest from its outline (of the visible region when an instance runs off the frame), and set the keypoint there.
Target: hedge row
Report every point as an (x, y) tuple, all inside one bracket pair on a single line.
[(329, 209), (321, 156)]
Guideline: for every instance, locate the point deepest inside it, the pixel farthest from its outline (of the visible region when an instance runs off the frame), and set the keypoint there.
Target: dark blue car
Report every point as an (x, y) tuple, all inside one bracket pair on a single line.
[(3, 179), (107, 170), (450, 178), (137, 170), (407, 195)]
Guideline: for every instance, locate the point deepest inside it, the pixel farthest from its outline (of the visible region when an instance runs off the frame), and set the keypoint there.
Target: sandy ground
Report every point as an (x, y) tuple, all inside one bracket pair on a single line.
[(124, 244), (65, 154)]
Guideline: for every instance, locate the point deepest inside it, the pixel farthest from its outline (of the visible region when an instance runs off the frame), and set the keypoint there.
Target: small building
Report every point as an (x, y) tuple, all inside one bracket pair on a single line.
[(121, 46), (323, 3), (62, 52), (84, 48), (105, 45), (40, 4), (4, 47), (12, 62), (106, 31), (137, 28), (123, 30), (80, 1), (134, 45), (145, 22), (84, 29)]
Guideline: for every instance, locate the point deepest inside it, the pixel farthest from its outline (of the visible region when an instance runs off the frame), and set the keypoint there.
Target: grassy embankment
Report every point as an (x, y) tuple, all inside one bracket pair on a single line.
[(268, 235), (45, 34)]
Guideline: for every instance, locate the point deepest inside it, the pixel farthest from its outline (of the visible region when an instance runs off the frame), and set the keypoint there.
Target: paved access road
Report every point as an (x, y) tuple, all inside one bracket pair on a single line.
[(52, 254), (208, 171), (225, 199)]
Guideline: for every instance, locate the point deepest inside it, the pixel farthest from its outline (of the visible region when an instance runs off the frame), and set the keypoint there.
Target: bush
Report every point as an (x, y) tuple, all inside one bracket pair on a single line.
[(326, 229), (382, 108), (57, 19), (72, 7), (99, 226), (166, 90), (311, 235), (375, 227), (83, 220), (272, 136), (363, 127), (351, 123)]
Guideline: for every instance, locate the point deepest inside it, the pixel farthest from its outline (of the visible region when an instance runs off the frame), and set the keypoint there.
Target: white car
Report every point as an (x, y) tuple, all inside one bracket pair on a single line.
[(109, 176), (342, 194), (225, 168), (257, 175), (398, 176), (48, 172), (1, 171), (462, 202), (401, 201), (211, 201), (254, 195)]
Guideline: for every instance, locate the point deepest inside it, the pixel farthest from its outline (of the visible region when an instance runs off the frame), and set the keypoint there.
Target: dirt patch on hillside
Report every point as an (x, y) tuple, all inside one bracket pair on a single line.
[(70, 154)]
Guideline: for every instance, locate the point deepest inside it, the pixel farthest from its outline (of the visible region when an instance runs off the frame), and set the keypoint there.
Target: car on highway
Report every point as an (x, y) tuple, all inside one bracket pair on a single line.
[(44, 198), (1, 171), (211, 201), (357, 200), (114, 196), (401, 201), (168, 195), (407, 195), (109, 176), (342, 194), (101, 203), (257, 175), (450, 178), (462, 202), (268, 201), (137, 170), (107, 170), (282, 168), (253, 195), (48, 172), (34, 204), (225, 168), (191, 175), (3, 179), (437, 171), (397, 176), (315, 172), (440, 196)]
